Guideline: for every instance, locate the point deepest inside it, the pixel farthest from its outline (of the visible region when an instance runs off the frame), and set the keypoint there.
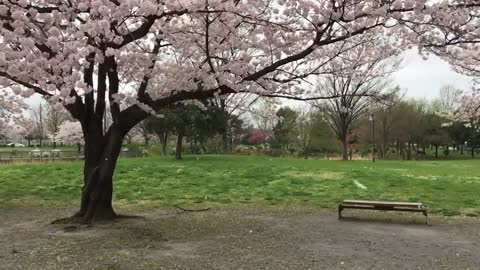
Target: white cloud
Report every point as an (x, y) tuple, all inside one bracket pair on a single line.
[(424, 78)]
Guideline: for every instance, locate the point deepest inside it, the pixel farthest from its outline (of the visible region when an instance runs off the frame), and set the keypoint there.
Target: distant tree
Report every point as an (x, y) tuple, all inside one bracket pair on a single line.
[(460, 134), (313, 133), (448, 99), (257, 137), (160, 126), (408, 127), (39, 115), (353, 99), (323, 137), (238, 130), (70, 132), (468, 112), (142, 130), (264, 116), (385, 119), (225, 114), (354, 88), (284, 130), (185, 120), (53, 119), (435, 134), (25, 128)]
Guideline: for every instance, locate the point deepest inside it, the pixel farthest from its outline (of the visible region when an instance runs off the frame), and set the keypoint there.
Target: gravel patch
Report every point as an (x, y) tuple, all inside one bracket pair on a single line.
[(239, 239)]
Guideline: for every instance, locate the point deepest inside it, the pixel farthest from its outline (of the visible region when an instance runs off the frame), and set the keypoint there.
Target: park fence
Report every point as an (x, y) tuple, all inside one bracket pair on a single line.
[(14, 156)]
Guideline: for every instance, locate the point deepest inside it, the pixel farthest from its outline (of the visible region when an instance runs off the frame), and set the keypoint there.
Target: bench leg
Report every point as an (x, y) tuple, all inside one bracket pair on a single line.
[(340, 209)]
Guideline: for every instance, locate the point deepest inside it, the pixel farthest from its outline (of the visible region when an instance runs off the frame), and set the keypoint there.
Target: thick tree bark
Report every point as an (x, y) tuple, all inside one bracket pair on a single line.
[(178, 149), (101, 155)]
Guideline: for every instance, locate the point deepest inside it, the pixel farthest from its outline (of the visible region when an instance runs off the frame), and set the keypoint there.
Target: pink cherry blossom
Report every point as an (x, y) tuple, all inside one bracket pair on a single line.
[(70, 132)]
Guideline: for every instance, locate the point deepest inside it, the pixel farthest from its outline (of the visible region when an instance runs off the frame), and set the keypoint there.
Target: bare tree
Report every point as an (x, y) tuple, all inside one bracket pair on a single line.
[(386, 119), (39, 115), (304, 132), (231, 108), (353, 91), (53, 119), (264, 116), (448, 98)]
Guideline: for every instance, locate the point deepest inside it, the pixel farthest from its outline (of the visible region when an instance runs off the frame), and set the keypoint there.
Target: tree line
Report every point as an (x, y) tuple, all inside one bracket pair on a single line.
[(401, 128)]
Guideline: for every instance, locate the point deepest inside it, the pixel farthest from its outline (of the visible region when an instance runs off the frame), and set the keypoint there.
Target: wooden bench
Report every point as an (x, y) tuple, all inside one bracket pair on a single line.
[(382, 205)]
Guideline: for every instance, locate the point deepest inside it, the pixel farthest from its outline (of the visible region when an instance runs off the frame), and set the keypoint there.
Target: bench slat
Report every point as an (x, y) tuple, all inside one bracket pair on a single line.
[(382, 203)]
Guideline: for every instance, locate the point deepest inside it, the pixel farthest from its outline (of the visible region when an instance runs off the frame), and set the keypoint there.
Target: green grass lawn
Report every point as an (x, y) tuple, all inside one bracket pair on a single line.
[(447, 187)]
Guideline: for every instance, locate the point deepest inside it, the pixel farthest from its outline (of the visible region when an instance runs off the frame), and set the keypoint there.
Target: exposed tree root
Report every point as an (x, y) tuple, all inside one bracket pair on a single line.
[(191, 210), (80, 220), (68, 220)]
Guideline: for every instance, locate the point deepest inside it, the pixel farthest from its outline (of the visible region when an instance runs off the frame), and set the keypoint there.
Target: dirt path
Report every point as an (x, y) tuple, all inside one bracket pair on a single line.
[(238, 239)]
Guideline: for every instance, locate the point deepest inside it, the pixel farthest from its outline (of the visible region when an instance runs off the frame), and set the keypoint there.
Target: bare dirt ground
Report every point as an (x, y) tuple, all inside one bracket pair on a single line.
[(238, 239)]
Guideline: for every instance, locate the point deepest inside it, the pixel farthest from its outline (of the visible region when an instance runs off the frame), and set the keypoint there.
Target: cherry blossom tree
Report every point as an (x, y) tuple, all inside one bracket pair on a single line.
[(11, 107), (468, 112), (257, 137), (85, 56), (70, 132), (455, 37), (25, 128)]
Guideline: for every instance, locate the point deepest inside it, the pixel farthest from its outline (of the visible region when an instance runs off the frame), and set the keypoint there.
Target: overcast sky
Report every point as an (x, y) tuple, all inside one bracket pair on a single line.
[(423, 78)]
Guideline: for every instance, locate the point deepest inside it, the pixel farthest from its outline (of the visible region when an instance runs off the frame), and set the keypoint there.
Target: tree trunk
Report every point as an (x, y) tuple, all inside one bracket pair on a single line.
[(178, 149), (344, 148), (461, 149), (79, 146), (101, 155), (473, 152), (164, 143), (225, 141), (397, 149), (436, 151), (146, 139), (384, 148), (402, 151), (409, 152)]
